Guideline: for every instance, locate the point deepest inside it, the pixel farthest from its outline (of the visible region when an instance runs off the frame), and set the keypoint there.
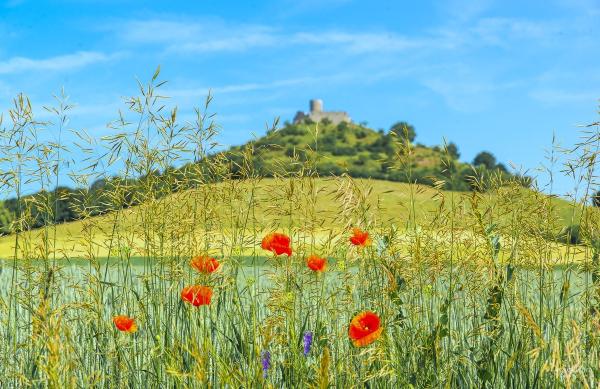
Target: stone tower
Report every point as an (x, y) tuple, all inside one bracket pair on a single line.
[(316, 105)]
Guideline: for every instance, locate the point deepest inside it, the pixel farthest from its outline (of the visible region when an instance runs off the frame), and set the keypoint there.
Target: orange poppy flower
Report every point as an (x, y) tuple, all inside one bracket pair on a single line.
[(365, 329), (196, 295), (204, 264), (360, 238), (316, 263), (277, 243), (125, 323)]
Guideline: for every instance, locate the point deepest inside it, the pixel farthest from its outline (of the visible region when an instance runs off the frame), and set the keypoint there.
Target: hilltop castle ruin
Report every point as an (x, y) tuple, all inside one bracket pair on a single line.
[(317, 114)]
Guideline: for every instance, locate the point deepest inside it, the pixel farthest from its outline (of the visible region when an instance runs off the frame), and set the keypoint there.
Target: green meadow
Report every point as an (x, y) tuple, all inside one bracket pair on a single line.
[(393, 205), (477, 278)]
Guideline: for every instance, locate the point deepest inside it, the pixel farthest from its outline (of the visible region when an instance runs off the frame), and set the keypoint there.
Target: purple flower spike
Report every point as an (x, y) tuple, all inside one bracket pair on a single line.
[(308, 338), (266, 362)]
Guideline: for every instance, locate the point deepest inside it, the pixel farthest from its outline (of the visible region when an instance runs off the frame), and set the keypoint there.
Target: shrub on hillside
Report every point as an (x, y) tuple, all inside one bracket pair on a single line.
[(293, 130), (343, 150), (596, 199), (329, 168), (570, 234), (361, 133), (6, 220), (327, 141)]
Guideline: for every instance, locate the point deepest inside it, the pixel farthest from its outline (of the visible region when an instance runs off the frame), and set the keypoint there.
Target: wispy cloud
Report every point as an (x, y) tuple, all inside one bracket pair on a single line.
[(236, 88), (504, 31), (300, 6), (460, 11), (242, 42), (361, 42), (215, 36), (243, 88), (57, 63), (467, 87), (211, 36), (189, 36)]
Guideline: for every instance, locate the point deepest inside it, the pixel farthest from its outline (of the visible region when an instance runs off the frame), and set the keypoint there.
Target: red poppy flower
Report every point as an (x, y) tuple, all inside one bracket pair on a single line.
[(204, 264), (125, 323), (277, 243), (360, 238), (364, 329), (197, 295), (316, 263)]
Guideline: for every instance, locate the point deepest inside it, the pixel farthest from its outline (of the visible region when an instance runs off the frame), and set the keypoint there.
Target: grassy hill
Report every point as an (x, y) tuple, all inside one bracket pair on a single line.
[(361, 152), (295, 150), (324, 208)]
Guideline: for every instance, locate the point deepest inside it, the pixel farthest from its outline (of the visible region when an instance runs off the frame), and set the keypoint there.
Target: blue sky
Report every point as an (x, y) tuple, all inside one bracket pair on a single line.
[(502, 76)]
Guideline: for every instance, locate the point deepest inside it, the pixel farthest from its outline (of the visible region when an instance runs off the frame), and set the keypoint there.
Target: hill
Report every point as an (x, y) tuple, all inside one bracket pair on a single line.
[(303, 148), (242, 210), (361, 152)]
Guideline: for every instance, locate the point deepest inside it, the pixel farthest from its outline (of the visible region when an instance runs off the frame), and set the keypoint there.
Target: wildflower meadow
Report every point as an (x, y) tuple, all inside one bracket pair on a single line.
[(199, 271)]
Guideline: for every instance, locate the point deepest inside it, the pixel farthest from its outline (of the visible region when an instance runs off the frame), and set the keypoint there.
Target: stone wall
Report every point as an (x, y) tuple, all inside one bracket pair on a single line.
[(316, 114), (333, 117)]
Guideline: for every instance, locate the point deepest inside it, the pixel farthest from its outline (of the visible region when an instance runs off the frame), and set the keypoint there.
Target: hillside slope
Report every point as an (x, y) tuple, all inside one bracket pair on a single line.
[(243, 210), (361, 152), (296, 149)]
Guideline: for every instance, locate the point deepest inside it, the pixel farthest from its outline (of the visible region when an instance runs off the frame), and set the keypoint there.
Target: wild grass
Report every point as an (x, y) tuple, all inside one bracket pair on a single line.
[(464, 283), (391, 199)]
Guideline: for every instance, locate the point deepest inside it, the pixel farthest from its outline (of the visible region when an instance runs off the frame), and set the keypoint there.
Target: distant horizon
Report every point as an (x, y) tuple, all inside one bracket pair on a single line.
[(503, 77)]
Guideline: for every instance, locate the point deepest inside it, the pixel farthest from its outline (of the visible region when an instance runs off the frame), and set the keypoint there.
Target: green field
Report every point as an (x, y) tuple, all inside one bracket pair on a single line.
[(164, 282), (387, 203)]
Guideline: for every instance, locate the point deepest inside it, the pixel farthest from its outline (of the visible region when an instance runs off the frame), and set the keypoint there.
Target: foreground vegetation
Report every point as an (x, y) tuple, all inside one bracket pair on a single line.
[(463, 283)]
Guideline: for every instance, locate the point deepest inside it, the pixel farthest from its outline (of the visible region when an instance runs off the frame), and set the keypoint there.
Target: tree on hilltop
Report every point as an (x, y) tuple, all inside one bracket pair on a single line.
[(452, 150), (486, 159), (404, 130)]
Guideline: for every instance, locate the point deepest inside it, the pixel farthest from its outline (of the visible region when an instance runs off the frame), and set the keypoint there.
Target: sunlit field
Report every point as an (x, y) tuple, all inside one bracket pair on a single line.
[(200, 272)]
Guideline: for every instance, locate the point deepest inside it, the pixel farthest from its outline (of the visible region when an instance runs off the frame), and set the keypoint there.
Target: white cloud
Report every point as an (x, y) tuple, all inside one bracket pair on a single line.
[(210, 36), (501, 31), (242, 42), (293, 7), (201, 92), (383, 54), (214, 35), (371, 55), (156, 31), (58, 63), (236, 88), (196, 37), (360, 42), (463, 10)]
